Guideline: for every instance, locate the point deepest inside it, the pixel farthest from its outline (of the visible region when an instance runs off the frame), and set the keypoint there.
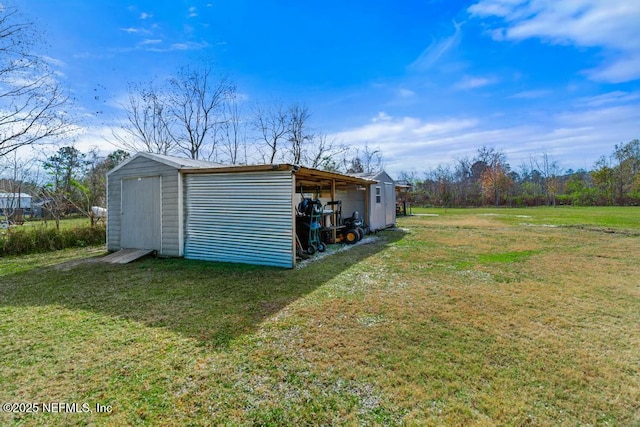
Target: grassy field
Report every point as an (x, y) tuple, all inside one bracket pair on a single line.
[(463, 317), (627, 217)]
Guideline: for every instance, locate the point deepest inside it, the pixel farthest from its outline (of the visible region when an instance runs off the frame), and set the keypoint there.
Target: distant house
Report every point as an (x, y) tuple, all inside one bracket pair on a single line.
[(203, 210), (12, 201)]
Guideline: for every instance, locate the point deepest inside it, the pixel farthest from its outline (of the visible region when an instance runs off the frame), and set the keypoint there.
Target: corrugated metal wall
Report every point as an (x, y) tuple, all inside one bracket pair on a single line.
[(240, 217)]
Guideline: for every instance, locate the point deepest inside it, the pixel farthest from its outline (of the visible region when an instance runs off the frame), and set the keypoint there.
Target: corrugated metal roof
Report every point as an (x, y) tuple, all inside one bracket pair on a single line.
[(376, 176), (182, 163), (366, 175), (172, 161)]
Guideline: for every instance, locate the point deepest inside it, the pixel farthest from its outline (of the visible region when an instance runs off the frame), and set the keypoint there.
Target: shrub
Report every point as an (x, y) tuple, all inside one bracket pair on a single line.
[(28, 240)]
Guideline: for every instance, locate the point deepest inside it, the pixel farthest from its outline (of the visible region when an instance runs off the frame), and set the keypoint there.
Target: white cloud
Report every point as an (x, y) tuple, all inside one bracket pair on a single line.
[(381, 117), (615, 97), (132, 30), (94, 137), (611, 25), (145, 15), (192, 12), (530, 94), (54, 61), (180, 47), (405, 141), (188, 46), (576, 139), (618, 71), (405, 93), (436, 50), (150, 41), (471, 82), (29, 79)]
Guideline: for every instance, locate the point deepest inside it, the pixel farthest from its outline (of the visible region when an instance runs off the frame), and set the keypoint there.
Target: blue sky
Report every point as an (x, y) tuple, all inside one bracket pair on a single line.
[(424, 81)]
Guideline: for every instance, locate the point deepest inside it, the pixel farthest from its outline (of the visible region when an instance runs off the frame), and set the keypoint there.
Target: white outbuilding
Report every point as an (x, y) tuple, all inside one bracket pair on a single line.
[(377, 205)]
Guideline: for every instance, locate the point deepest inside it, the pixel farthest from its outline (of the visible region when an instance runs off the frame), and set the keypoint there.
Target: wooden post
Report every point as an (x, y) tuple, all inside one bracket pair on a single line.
[(367, 205), (334, 217)]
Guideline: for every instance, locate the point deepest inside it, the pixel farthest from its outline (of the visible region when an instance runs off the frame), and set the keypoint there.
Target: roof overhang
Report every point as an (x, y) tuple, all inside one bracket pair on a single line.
[(306, 177), (315, 177), (237, 169)]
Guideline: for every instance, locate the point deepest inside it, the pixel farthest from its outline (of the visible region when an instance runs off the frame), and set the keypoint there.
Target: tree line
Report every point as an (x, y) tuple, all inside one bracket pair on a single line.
[(487, 179)]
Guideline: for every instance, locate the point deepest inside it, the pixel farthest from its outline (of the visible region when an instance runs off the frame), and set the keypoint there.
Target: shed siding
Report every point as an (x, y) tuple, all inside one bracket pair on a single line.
[(353, 200), (144, 167), (382, 214), (240, 217)]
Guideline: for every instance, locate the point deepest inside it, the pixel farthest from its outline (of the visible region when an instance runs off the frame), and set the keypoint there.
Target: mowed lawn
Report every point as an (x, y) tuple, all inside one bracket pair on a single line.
[(456, 317)]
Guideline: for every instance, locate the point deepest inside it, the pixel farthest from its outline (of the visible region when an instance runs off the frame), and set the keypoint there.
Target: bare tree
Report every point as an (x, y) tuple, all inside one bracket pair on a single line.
[(196, 98), (233, 133), (371, 159), (32, 103), (271, 126), (550, 171), (297, 132), (365, 160), (323, 153), (147, 127), (15, 171), (54, 204), (441, 188), (464, 177)]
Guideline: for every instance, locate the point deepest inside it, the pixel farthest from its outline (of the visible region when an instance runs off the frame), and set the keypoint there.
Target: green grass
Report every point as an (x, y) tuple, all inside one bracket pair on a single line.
[(455, 319), (627, 217)]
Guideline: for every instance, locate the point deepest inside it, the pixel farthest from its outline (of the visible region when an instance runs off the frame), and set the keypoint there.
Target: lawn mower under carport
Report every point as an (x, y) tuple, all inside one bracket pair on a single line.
[(350, 230)]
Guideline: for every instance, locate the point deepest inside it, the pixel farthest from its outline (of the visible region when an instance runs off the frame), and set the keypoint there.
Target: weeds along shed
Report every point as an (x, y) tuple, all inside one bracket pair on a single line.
[(203, 210)]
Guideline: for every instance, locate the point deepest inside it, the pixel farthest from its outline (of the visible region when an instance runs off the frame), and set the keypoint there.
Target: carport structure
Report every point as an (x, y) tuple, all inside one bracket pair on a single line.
[(202, 210)]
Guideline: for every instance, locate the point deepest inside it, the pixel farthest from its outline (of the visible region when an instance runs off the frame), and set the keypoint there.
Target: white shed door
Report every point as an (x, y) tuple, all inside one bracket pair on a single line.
[(389, 203), (141, 226), (240, 217)]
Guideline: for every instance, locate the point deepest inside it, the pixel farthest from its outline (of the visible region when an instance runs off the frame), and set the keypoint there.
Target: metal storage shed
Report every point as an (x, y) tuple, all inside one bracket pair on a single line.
[(202, 210)]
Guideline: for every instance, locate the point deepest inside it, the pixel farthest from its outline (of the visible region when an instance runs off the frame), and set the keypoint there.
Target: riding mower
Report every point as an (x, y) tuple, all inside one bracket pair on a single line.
[(354, 229), (349, 230)]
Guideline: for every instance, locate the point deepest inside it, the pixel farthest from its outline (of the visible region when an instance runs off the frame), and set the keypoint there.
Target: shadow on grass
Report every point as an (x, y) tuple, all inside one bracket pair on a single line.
[(211, 302)]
